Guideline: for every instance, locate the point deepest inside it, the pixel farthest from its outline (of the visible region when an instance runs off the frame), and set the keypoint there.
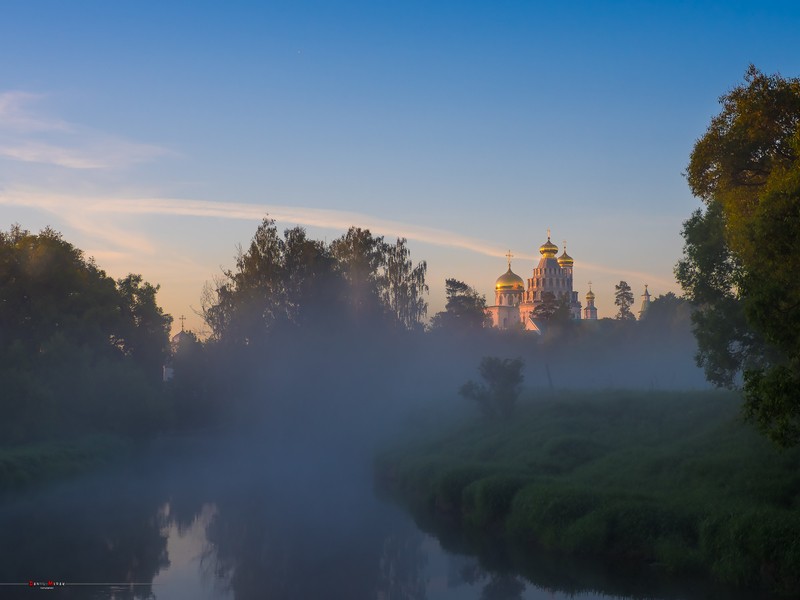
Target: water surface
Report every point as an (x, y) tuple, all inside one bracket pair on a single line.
[(231, 519)]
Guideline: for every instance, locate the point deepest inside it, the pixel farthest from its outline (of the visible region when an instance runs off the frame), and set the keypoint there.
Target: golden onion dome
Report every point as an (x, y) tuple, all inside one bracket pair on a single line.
[(565, 260), (548, 249), (509, 281), (590, 295)]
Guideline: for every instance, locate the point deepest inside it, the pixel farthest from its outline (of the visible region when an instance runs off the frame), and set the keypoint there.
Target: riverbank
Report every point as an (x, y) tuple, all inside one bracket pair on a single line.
[(673, 481), (34, 464)]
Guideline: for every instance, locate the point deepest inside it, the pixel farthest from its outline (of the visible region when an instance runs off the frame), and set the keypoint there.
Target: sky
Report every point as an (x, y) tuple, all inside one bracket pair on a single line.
[(155, 136)]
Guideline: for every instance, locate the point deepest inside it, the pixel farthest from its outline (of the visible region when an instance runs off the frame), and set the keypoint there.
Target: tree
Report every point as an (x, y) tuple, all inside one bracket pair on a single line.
[(498, 397), (405, 284), (666, 311), (360, 258), (145, 333), (711, 276), (553, 309), (47, 287), (742, 253), (547, 308), (623, 297), (247, 301), (313, 289), (78, 351), (465, 308), (295, 282)]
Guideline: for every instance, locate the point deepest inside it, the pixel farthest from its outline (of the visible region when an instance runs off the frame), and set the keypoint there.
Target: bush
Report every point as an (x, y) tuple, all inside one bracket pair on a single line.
[(487, 501), (449, 488), (499, 397), (754, 546)]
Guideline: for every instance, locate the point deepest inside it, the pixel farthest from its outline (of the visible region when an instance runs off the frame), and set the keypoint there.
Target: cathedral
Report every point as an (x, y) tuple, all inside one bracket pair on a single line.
[(519, 307)]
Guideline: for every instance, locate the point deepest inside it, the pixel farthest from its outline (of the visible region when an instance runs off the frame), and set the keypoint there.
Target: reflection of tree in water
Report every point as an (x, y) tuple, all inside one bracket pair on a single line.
[(503, 587), (263, 545), (97, 536), (402, 568)]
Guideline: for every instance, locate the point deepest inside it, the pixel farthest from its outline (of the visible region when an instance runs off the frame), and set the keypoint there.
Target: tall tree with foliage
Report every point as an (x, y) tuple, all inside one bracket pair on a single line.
[(405, 285), (78, 351), (465, 308), (360, 258), (313, 289), (623, 297), (146, 327), (742, 252), (553, 309), (247, 301)]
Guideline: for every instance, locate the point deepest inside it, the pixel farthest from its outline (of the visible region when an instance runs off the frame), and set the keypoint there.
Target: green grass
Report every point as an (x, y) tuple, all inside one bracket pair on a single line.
[(36, 464), (673, 480)]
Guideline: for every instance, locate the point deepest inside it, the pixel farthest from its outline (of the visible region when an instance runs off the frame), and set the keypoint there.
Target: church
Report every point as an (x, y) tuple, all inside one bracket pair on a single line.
[(518, 307)]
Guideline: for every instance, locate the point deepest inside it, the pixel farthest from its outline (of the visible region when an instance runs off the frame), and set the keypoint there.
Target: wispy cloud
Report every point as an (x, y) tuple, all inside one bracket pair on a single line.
[(17, 114), (96, 216), (29, 135), (88, 210), (100, 153), (313, 217), (79, 215)]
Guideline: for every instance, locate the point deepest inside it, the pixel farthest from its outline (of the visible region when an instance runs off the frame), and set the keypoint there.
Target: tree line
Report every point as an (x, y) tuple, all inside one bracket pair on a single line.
[(291, 281), (81, 350)]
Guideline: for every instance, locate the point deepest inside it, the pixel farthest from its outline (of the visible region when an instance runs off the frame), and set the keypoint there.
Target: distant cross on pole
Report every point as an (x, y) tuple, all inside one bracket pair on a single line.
[(509, 256), (182, 319), (565, 244), (548, 233), (590, 286)]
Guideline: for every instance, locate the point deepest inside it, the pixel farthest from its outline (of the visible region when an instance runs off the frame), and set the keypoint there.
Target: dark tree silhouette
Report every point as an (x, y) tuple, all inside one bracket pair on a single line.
[(498, 397), (465, 308), (623, 297)]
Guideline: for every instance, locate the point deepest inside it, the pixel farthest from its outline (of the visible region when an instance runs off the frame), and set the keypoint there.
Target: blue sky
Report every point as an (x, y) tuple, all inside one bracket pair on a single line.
[(154, 135)]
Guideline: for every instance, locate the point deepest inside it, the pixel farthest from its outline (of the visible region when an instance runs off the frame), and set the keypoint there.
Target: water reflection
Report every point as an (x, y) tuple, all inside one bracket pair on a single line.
[(238, 525), (191, 573)]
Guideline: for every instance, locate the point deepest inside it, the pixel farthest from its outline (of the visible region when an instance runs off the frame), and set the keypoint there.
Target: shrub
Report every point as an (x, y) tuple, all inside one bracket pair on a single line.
[(488, 500)]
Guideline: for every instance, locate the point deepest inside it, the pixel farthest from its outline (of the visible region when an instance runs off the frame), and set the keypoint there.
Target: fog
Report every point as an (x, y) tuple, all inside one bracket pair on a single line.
[(285, 470)]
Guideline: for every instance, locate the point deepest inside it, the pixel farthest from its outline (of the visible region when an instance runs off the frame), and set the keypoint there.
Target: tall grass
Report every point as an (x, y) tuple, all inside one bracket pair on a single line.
[(672, 480)]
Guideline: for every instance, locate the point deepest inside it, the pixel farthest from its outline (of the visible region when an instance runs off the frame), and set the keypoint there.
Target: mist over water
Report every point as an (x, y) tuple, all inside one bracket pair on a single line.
[(279, 498)]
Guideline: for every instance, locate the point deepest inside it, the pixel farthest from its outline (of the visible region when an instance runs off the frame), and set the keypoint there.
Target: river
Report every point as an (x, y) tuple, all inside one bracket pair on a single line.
[(197, 520)]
